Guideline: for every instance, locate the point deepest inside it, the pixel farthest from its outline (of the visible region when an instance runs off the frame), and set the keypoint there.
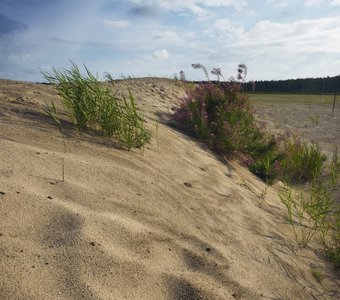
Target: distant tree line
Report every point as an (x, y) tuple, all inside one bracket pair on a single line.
[(301, 85), (305, 85)]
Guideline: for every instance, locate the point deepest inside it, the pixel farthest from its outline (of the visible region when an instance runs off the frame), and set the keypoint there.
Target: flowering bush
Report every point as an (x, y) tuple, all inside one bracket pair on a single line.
[(222, 117)]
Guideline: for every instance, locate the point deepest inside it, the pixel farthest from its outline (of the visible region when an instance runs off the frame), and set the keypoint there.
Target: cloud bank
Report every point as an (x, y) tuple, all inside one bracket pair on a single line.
[(277, 40)]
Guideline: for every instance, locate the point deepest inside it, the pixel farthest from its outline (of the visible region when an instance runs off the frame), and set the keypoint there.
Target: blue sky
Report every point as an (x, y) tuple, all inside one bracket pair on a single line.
[(275, 39)]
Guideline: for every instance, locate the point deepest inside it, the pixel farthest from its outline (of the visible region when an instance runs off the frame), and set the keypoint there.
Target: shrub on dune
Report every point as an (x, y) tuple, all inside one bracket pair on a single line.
[(221, 116), (90, 104)]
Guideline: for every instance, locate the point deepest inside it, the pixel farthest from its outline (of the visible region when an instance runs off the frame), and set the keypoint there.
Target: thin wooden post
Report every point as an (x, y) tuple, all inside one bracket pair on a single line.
[(333, 104)]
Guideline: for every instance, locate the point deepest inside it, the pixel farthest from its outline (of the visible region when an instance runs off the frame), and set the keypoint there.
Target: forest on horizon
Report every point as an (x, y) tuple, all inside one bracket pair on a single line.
[(323, 85)]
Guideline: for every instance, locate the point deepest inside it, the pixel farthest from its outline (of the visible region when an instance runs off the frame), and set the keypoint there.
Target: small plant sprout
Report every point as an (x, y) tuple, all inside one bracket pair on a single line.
[(314, 120), (318, 275), (267, 167), (335, 168), (200, 66), (264, 193), (297, 216), (157, 136), (53, 113)]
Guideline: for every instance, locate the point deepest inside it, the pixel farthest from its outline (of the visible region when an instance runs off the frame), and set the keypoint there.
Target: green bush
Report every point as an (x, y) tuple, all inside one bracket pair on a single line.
[(91, 105), (222, 117), (267, 167), (301, 162)]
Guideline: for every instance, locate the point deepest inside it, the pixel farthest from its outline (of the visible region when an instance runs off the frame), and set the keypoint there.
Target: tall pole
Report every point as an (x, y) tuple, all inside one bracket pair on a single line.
[(333, 104)]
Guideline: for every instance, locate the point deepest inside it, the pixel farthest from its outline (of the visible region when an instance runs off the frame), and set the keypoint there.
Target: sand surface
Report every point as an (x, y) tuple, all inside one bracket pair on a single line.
[(170, 222), (297, 117)]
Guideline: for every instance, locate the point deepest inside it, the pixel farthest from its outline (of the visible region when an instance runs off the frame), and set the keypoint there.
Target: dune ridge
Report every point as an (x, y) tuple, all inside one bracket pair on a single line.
[(171, 221)]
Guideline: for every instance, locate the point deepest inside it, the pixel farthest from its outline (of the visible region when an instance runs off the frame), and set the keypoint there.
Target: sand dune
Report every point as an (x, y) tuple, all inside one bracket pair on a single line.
[(170, 222)]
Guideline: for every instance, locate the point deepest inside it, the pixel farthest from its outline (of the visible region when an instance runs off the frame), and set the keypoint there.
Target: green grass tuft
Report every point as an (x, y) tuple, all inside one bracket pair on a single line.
[(91, 105)]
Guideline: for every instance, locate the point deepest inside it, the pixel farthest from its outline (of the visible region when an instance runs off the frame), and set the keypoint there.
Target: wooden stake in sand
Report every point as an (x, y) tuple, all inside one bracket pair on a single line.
[(333, 104)]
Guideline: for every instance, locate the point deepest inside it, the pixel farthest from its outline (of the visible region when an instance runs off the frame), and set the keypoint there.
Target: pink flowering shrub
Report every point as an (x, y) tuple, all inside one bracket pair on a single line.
[(222, 117)]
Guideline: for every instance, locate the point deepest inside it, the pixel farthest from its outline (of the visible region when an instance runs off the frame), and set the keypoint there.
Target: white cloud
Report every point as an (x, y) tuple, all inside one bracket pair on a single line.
[(287, 47), (161, 54), (238, 4), (309, 3), (117, 24), (335, 3), (195, 6), (277, 48), (310, 36), (278, 4), (22, 57), (304, 35), (226, 30)]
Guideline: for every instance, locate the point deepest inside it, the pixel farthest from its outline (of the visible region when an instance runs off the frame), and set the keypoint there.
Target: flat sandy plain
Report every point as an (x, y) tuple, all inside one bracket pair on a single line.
[(170, 222), (309, 116)]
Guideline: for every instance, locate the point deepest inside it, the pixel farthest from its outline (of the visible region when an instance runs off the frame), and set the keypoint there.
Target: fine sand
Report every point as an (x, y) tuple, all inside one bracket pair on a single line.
[(170, 222)]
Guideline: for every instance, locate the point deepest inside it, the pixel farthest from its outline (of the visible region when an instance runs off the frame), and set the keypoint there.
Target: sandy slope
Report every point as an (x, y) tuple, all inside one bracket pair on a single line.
[(171, 222)]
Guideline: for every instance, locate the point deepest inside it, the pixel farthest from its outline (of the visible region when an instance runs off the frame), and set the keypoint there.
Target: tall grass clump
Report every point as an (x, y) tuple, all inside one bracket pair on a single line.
[(79, 94), (301, 162), (291, 159), (92, 105), (221, 116), (312, 209)]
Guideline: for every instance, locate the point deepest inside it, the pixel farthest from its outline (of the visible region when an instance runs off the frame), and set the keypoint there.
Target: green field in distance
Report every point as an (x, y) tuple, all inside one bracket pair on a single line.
[(298, 98)]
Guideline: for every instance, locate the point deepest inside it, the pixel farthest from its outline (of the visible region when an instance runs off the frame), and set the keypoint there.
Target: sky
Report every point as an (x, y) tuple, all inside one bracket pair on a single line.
[(275, 39)]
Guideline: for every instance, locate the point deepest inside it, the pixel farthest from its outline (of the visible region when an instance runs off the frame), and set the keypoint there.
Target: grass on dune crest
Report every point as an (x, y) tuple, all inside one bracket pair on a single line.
[(92, 105)]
